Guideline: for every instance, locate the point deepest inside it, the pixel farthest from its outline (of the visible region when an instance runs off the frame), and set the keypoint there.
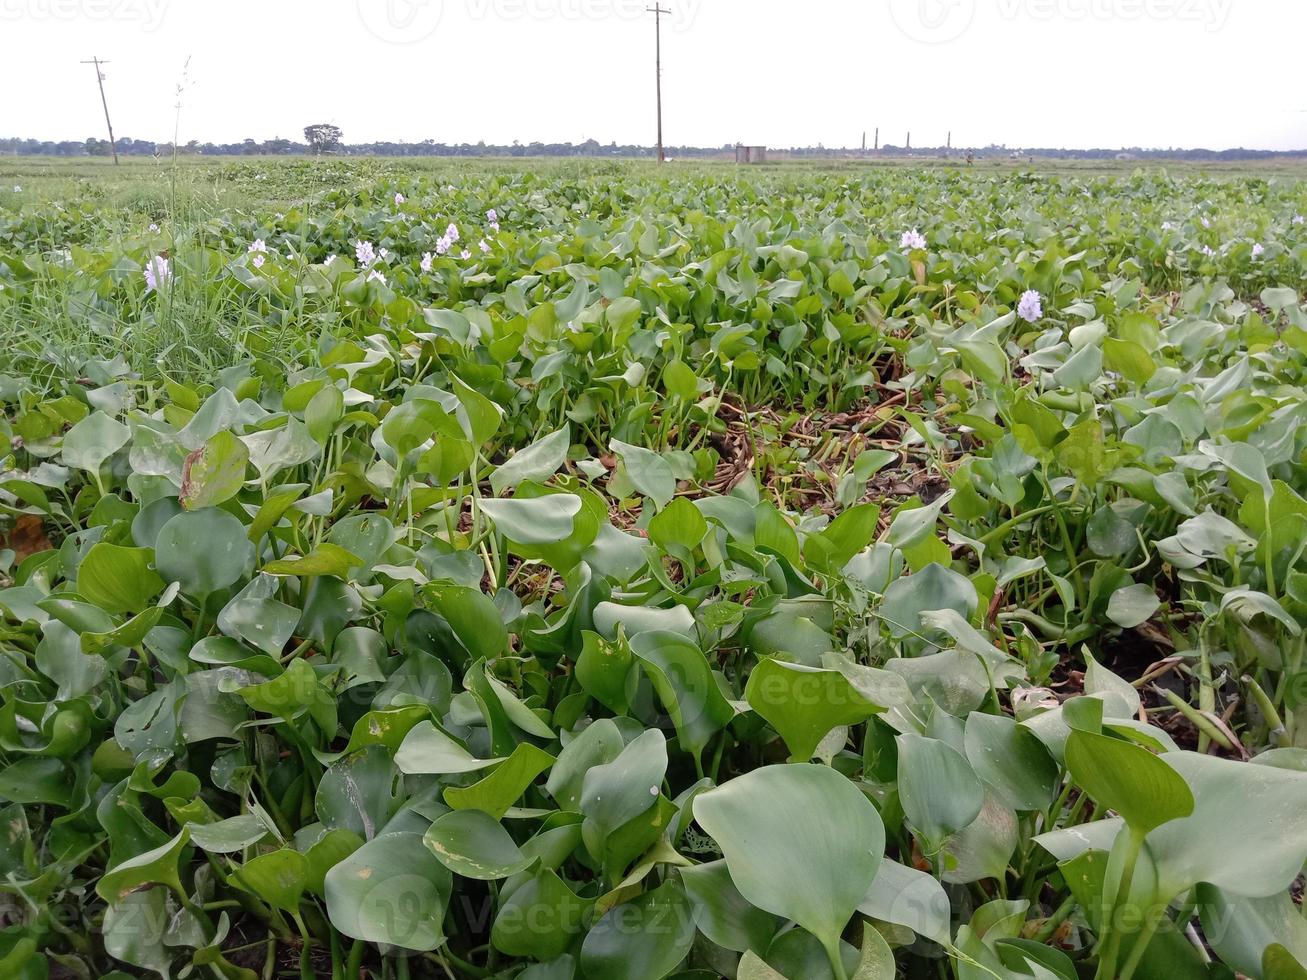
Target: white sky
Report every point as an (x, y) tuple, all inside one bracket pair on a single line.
[(1071, 73)]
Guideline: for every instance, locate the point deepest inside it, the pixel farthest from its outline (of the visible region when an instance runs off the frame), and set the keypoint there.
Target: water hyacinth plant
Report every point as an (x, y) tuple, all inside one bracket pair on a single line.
[(693, 581)]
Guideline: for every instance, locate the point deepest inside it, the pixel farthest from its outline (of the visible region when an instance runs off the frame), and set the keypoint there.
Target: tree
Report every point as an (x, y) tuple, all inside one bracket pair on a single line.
[(323, 137)]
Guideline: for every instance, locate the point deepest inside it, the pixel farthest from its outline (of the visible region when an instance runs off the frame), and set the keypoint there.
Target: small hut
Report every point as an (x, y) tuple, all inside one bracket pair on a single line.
[(750, 154)]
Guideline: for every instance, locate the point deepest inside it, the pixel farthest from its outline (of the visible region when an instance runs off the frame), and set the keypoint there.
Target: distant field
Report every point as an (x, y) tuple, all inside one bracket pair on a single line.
[(591, 570), (42, 172)]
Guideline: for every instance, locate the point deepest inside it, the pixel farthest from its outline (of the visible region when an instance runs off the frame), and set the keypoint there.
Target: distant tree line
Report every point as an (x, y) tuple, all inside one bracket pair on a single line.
[(324, 144)]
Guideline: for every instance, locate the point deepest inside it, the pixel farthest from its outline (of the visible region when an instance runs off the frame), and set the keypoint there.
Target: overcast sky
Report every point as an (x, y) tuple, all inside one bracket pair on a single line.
[(1071, 73)]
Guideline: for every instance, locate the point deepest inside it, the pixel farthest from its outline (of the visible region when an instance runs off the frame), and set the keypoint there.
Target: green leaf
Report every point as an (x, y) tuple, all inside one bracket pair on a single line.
[(118, 579), (472, 843), (685, 684), (534, 520), (649, 473), (296, 692), (326, 559), (680, 381), (324, 410), (678, 528), (1011, 761), (279, 878), (215, 472), (1129, 779), (1254, 851), (480, 416), (811, 864), (391, 890), (500, 790), (204, 551), (1242, 930), (937, 787), (1129, 359), (536, 462), (93, 440), (617, 792), (848, 534), (428, 750), (472, 616), (804, 704), (724, 915), (645, 939), (934, 587), (231, 835), (158, 866), (539, 917), (910, 898), (1132, 605)]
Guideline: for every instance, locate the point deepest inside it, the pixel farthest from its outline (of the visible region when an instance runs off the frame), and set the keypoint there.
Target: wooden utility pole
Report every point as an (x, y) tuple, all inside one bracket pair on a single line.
[(99, 78), (658, 12)]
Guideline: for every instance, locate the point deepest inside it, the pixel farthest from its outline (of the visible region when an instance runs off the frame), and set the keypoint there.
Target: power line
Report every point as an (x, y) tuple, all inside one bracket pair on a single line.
[(658, 12), (99, 78)]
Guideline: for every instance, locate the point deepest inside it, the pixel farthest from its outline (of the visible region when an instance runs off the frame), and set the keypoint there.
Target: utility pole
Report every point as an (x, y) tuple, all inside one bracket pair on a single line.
[(877, 139), (658, 12), (99, 78)]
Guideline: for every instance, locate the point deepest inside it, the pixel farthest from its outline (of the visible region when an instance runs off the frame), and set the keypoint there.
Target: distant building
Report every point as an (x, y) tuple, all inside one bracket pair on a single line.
[(750, 154)]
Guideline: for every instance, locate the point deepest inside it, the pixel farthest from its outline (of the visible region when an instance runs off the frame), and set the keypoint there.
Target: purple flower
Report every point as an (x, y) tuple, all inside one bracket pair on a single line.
[(1258, 249), (154, 229), (452, 232), (383, 253), (1297, 219), (365, 253), (492, 216), (1207, 251), (442, 245), (912, 239), (465, 255), (258, 261), (1166, 226), (1206, 223), (426, 261), (1030, 308), (330, 259), (399, 199), (377, 276), (158, 273), (258, 246), (485, 247)]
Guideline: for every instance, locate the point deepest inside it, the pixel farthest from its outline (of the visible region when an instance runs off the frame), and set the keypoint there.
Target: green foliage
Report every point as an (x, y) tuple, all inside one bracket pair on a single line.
[(692, 583)]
